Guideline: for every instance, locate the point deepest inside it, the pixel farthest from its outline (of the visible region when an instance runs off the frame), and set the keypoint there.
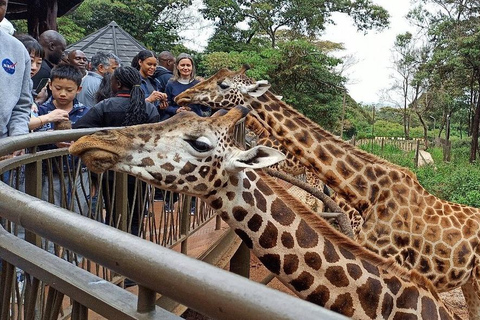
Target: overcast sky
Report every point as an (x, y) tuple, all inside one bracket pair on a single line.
[(372, 72)]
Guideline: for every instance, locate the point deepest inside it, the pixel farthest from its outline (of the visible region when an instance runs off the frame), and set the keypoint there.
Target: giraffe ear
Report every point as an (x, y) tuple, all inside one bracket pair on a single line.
[(258, 88), (255, 158)]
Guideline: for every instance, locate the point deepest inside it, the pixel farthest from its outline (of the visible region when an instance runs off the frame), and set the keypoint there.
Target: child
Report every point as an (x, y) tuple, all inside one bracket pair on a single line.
[(36, 52), (65, 83)]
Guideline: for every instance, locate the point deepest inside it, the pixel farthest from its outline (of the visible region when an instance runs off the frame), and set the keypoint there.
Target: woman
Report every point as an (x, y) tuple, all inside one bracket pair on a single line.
[(126, 107), (146, 63), (183, 79)]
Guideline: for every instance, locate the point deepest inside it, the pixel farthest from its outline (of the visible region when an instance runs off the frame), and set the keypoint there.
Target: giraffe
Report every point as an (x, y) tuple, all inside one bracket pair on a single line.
[(294, 167), (198, 156), (401, 219)]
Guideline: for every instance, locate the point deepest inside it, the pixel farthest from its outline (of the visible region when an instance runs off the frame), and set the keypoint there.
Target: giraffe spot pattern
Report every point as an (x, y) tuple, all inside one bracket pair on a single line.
[(264, 188), (269, 236), (246, 239), (239, 213), (370, 292), (303, 282), (147, 161), (337, 277), (290, 263), (387, 306), (217, 203), (246, 184), (191, 178), (306, 236), (271, 262), (255, 222), (408, 299), (354, 271), (344, 170), (201, 187), (344, 305), (260, 200), (429, 308), (169, 179), (188, 168), (230, 195), (313, 260), (287, 240), (281, 212), (370, 268), (251, 175), (329, 252), (319, 296), (248, 198)]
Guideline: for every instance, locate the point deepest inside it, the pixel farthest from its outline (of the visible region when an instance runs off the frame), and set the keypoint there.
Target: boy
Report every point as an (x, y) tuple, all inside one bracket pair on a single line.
[(64, 83)]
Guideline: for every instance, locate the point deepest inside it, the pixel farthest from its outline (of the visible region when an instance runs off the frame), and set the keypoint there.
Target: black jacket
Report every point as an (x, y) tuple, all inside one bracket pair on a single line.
[(162, 75), (111, 112)]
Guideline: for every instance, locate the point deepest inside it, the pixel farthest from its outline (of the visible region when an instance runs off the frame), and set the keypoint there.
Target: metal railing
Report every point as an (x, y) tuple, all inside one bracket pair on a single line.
[(77, 255)]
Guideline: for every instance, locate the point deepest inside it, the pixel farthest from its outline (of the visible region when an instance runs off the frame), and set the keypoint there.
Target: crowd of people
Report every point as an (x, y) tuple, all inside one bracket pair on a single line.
[(44, 87)]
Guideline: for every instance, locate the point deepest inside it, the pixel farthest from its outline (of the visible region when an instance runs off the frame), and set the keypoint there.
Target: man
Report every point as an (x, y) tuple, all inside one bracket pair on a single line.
[(54, 45), (164, 71), (101, 64), (78, 59), (15, 91)]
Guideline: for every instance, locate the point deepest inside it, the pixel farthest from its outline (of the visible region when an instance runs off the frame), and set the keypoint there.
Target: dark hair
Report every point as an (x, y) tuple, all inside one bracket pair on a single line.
[(32, 45), (66, 71), (105, 89), (100, 58), (142, 55), (130, 78)]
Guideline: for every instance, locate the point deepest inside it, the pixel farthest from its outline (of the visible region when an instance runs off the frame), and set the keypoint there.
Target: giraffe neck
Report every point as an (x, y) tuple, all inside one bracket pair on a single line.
[(314, 260), (360, 178)]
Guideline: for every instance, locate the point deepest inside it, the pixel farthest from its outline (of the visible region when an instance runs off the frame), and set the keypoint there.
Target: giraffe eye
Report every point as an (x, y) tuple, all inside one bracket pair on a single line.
[(223, 85), (199, 145)]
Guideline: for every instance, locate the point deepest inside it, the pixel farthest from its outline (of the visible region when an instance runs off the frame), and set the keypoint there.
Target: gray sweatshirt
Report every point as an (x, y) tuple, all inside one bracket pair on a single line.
[(15, 88)]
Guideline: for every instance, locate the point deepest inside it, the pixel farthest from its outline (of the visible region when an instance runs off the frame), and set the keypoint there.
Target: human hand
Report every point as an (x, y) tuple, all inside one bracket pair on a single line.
[(163, 104), (42, 95), (57, 115), (157, 96)]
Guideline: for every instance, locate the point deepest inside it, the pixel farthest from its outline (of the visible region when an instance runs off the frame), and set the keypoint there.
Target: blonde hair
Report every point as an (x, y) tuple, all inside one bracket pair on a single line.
[(176, 73)]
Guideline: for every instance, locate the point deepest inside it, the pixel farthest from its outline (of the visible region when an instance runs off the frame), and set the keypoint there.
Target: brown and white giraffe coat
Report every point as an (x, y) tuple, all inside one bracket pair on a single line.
[(198, 156), (402, 220)]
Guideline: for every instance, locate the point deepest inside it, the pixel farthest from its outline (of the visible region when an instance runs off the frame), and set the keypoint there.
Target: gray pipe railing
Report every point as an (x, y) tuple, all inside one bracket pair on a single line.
[(209, 290)]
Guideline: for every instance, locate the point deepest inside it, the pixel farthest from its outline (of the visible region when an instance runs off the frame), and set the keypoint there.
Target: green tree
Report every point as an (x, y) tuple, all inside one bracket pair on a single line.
[(266, 18), (453, 27), (152, 22)]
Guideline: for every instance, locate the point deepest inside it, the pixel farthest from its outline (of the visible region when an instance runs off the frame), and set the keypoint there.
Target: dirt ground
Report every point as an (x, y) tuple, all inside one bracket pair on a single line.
[(453, 299)]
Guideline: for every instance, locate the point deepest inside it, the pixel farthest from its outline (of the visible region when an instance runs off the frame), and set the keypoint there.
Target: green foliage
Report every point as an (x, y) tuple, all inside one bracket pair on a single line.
[(148, 21), (298, 70), (265, 19)]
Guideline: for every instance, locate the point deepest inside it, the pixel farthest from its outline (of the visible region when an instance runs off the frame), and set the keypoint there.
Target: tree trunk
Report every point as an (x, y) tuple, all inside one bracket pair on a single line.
[(42, 16), (475, 128)]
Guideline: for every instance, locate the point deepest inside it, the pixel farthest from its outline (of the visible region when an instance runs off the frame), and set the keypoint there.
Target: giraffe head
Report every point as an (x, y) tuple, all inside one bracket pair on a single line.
[(186, 153), (224, 89)]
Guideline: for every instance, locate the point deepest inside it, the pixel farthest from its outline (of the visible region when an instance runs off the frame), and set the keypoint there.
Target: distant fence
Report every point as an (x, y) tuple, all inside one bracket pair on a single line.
[(405, 145)]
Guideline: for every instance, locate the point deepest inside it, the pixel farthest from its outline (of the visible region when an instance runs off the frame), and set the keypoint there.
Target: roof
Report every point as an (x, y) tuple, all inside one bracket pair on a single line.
[(18, 9), (111, 38)]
